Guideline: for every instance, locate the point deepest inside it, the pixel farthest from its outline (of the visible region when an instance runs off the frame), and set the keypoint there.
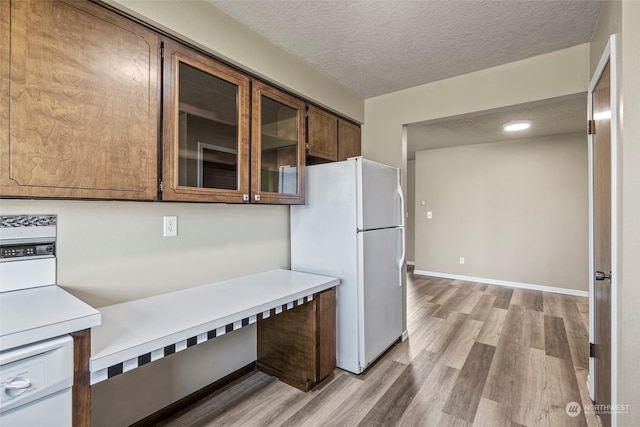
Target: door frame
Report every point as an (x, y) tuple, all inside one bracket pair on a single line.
[(610, 55)]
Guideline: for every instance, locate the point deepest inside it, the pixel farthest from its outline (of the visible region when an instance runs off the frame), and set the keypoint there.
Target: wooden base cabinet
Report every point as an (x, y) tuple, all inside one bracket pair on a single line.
[(78, 102), (298, 346), (81, 391)]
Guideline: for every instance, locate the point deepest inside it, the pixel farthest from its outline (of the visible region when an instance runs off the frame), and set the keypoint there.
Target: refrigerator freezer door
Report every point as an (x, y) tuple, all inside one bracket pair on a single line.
[(381, 291), (380, 203)]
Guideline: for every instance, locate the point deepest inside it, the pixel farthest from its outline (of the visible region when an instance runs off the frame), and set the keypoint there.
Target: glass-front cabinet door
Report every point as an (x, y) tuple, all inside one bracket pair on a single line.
[(205, 130), (277, 146)]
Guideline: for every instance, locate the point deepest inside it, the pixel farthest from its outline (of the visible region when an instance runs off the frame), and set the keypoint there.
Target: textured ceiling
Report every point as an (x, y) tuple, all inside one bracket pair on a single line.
[(373, 47), (551, 117)]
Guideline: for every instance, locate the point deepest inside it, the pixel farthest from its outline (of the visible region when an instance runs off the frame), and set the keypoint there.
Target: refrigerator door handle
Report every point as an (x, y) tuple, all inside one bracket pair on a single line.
[(404, 253), (402, 215), (404, 237)]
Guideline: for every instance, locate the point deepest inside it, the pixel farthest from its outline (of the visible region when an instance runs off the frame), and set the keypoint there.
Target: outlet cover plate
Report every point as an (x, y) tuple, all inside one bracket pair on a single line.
[(170, 226)]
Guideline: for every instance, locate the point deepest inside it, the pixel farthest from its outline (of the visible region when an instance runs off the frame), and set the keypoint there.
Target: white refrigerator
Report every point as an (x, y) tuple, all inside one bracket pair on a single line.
[(352, 227)]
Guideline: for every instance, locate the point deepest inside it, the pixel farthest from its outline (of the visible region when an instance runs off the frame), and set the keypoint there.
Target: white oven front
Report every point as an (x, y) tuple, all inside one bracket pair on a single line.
[(35, 384), (35, 377)]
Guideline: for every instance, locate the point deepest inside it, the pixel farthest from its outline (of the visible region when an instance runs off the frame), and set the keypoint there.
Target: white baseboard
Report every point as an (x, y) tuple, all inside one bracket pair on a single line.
[(411, 263), (520, 285), (405, 335)]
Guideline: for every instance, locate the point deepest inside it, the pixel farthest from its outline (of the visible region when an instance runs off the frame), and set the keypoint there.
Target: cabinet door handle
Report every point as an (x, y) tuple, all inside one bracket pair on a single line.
[(256, 197)]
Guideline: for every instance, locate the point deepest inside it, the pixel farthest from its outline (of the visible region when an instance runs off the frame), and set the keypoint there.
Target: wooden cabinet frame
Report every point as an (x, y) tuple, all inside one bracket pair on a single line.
[(259, 90), (349, 140), (83, 122), (298, 346), (5, 67), (323, 134), (331, 138), (174, 54), (94, 133)]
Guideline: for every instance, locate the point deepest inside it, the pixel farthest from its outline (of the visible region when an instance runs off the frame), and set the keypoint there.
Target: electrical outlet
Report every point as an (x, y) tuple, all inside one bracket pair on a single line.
[(461, 260), (429, 215), (170, 226)]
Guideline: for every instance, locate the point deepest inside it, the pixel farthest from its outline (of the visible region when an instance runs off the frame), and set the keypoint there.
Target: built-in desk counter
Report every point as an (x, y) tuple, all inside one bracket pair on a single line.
[(138, 332)]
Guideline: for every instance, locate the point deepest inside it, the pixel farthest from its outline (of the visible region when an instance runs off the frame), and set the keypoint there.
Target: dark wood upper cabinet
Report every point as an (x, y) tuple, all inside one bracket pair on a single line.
[(349, 142), (79, 102), (206, 134), (323, 134), (277, 146), (95, 105), (205, 129), (330, 138)]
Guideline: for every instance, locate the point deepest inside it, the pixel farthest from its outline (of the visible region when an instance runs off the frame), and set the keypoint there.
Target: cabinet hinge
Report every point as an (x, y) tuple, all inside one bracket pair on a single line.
[(161, 50), (592, 350), (161, 186), (591, 127)]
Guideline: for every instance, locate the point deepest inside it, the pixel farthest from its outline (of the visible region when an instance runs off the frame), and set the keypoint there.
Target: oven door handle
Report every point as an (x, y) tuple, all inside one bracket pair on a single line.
[(17, 386)]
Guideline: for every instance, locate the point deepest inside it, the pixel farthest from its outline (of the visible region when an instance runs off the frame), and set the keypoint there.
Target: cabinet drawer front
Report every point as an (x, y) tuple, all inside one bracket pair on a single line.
[(84, 103)]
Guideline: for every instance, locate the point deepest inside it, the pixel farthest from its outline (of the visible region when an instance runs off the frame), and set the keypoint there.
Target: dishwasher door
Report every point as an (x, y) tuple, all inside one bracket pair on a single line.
[(35, 384)]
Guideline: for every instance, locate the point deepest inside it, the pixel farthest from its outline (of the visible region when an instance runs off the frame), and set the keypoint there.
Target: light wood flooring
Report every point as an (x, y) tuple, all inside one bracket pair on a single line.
[(477, 355)]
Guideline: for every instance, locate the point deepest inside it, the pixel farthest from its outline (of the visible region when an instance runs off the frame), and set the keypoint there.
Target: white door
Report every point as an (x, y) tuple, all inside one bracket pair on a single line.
[(380, 196), (381, 291)]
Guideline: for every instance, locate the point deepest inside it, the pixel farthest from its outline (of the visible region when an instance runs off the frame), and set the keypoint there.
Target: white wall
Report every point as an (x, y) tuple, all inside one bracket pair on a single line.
[(411, 211), (560, 73), (114, 251), (110, 252), (629, 217), (609, 22), (516, 211)]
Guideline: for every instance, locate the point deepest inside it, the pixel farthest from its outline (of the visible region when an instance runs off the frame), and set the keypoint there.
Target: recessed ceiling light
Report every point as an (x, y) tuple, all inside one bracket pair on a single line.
[(517, 125)]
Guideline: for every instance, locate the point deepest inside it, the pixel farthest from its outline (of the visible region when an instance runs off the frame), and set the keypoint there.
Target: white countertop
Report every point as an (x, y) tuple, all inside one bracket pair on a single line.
[(36, 314), (133, 328)]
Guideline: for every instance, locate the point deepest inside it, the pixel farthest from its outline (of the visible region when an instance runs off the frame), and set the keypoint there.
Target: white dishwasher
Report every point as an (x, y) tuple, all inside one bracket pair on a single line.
[(35, 384)]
